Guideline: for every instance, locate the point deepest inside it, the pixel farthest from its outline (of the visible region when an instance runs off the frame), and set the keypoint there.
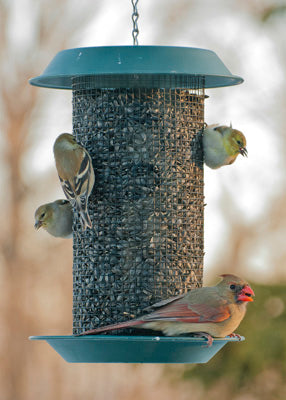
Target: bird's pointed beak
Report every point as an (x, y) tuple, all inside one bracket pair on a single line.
[(38, 224), (243, 151), (246, 294)]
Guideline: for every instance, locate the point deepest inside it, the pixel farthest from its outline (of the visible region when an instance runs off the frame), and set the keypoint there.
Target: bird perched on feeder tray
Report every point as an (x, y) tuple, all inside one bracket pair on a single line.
[(208, 312), (75, 170), (222, 144), (56, 218)]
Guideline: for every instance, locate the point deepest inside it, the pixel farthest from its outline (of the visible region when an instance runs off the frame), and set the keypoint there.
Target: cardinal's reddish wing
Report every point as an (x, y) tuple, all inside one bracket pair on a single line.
[(163, 303), (195, 313)]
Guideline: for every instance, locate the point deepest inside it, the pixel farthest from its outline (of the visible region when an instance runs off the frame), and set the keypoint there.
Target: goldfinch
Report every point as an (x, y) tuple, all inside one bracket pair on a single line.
[(56, 218), (74, 166), (222, 144)]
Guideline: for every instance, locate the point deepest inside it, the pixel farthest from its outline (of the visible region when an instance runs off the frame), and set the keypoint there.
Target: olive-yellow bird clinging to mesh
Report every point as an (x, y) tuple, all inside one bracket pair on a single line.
[(222, 144), (75, 170), (56, 218)]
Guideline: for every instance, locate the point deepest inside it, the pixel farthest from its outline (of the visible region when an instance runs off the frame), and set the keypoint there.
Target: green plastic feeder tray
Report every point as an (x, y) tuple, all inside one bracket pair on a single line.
[(134, 349), (136, 66)]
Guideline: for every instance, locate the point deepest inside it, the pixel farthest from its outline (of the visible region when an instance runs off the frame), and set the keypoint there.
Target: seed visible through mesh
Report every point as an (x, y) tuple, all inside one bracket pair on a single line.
[(147, 204)]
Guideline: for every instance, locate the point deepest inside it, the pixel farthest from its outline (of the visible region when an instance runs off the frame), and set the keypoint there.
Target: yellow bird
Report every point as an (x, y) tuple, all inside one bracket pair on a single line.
[(75, 170), (222, 144), (56, 218)]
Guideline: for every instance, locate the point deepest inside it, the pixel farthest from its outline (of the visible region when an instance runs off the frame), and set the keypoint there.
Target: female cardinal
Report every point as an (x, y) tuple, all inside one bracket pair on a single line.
[(209, 312)]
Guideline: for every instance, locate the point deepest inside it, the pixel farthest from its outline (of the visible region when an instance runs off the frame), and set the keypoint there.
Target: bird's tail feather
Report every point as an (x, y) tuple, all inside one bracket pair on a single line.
[(112, 327), (85, 219), (84, 216)]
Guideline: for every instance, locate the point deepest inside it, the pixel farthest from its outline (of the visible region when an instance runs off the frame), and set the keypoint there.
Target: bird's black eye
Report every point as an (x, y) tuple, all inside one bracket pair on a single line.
[(42, 215), (239, 142), (232, 286)]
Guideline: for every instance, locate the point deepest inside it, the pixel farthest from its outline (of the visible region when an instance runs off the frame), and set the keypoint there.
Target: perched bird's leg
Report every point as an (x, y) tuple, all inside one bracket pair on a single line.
[(206, 336), (235, 335)]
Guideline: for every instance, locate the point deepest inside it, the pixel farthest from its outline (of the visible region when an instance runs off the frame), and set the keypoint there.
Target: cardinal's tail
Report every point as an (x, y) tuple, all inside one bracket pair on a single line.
[(112, 327)]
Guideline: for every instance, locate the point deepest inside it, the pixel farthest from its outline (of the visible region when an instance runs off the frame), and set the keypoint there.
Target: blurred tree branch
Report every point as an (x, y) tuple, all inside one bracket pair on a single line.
[(56, 24), (51, 27)]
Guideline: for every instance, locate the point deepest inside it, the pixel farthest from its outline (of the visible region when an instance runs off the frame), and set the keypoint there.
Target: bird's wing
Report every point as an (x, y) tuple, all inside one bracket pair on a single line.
[(82, 178), (191, 313), (162, 303), (77, 187), (68, 189)]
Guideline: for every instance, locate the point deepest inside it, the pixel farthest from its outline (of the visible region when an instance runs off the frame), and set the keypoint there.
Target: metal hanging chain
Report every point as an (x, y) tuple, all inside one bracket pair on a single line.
[(135, 17)]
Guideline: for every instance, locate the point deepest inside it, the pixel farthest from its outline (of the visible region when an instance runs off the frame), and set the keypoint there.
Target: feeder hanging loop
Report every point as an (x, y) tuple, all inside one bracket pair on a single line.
[(135, 17)]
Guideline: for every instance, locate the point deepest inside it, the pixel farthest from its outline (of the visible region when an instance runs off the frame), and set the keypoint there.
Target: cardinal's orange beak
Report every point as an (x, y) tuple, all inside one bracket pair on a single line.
[(246, 294)]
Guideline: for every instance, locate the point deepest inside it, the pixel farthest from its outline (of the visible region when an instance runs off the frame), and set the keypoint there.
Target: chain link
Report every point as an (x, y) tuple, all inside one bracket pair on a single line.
[(135, 17)]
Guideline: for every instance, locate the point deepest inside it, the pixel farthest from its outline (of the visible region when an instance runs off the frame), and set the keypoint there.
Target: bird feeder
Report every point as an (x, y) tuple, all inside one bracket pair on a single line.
[(139, 111)]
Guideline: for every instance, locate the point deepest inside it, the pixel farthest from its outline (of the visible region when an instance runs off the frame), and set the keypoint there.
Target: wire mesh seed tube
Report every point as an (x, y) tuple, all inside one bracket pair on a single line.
[(147, 204)]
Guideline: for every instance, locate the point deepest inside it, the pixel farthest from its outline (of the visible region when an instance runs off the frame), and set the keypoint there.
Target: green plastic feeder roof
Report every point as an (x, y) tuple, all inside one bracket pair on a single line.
[(134, 349), (136, 66)]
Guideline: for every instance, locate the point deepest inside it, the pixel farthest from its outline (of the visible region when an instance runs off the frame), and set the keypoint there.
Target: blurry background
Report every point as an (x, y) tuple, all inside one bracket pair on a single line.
[(245, 218)]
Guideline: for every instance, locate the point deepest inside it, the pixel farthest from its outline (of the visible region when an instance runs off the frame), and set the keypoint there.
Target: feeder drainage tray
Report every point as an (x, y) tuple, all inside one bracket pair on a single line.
[(134, 349)]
